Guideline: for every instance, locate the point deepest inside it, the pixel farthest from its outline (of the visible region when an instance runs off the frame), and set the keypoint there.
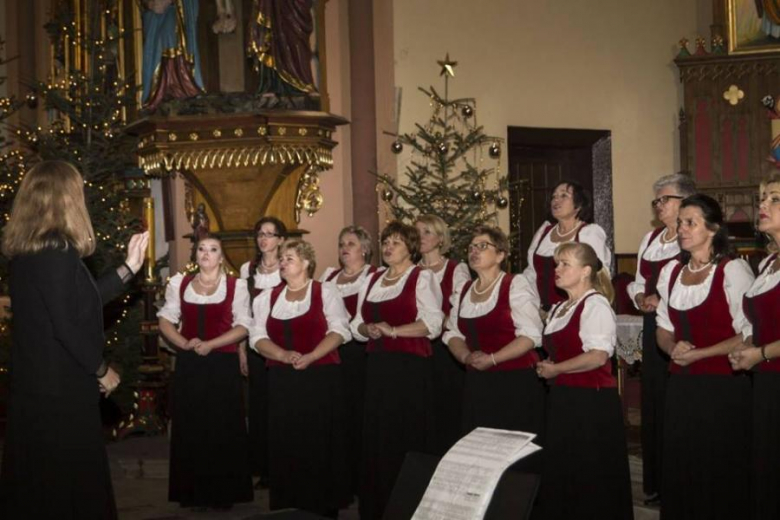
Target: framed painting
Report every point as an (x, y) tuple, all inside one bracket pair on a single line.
[(754, 26)]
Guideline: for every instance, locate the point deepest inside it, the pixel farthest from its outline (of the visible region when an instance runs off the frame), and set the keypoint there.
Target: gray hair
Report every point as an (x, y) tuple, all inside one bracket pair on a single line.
[(363, 236), (685, 184)]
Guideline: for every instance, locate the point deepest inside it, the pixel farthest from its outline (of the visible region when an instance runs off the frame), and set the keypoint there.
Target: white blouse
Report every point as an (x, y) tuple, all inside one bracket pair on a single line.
[(262, 280), (351, 287), (525, 313), (654, 251), (460, 276), (591, 234), (332, 305), (598, 324), (766, 281), (428, 296), (737, 280), (171, 311)]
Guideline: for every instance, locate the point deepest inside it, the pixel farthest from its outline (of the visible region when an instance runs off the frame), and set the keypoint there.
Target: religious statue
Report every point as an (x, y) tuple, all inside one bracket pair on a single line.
[(226, 17), (200, 224), (280, 46), (171, 63)]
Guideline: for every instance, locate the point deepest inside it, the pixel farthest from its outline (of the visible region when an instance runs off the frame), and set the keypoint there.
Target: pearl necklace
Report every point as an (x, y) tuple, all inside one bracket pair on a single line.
[(296, 289), (668, 240), (697, 269), (268, 269), (394, 278), (210, 284), (564, 235), (486, 289), (431, 266), (347, 275)]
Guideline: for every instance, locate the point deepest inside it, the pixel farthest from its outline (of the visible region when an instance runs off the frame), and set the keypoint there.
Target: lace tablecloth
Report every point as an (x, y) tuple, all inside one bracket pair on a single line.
[(629, 338)]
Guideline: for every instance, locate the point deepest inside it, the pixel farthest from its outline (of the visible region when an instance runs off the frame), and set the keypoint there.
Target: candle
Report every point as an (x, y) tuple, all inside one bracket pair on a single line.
[(149, 224)]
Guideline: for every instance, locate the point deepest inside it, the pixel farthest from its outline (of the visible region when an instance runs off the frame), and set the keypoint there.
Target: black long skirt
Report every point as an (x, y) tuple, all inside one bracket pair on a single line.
[(257, 413), (54, 460), (398, 420), (766, 445), (209, 464), (655, 372), (706, 457), (507, 400), (353, 369), (585, 473), (448, 380), (307, 439)]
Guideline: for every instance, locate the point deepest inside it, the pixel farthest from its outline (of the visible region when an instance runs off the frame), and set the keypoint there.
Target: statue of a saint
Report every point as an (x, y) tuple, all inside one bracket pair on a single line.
[(280, 46), (171, 63), (200, 224)]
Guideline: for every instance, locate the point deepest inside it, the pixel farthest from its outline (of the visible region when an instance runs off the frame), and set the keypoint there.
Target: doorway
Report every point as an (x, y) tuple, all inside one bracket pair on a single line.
[(538, 159)]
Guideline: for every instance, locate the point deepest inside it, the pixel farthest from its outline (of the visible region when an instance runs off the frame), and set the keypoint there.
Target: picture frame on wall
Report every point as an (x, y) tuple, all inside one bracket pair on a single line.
[(754, 26)]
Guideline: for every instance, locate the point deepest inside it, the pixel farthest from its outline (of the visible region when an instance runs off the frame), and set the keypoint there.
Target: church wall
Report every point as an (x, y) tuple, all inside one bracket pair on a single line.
[(603, 65)]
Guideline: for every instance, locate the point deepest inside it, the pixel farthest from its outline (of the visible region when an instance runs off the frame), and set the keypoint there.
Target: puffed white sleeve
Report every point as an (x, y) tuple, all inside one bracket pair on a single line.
[(598, 326), (357, 321), (451, 329), (171, 310), (525, 310), (240, 306), (326, 274), (530, 271), (662, 311), (460, 276), (736, 282), (595, 236), (243, 273), (261, 309), (638, 285), (335, 312), (429, 300)]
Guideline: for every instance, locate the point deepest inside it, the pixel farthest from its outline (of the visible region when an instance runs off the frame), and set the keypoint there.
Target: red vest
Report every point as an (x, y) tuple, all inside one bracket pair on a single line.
[(651, 269), (763, 311), (705, 325), (396, 312), (566, 344), (302, 333), (491, 332), (208, 320), (544, 266), (448, 285), (350, 302)]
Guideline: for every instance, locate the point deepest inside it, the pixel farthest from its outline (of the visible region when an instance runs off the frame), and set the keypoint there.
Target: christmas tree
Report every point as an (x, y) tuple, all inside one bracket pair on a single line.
[(446, 174)]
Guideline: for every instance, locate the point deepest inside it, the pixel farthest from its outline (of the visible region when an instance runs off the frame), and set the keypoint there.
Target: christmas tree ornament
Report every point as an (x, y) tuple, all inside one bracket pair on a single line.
[(442, 148), (476, 195), (502, 202), (387, 195), (495, 150), (32, 100), (467, 111), (396, 147)]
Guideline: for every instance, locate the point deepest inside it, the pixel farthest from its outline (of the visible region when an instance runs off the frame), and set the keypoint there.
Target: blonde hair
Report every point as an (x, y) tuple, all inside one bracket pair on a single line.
[(49, 211), (772, 178), (586, 257), (363, 237), (438, 226), (304, 250)]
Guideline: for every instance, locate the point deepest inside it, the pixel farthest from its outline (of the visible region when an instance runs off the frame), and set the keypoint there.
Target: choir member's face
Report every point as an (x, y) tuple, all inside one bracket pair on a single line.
[(429, 240), (394, 250), (692, 230), (569, 272), (267, 239), (769, 210), (292, 266), (562, 203), (668, 211), (351, 250), (209, 254), (483, 254)]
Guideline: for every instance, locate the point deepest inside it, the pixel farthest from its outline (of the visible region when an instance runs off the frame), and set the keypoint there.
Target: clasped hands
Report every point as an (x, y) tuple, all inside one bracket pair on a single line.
[(377, 330), (296, 359), (199, 346), (745, 356), (478, 360), (546, 369), (647, 303), (684, 353)]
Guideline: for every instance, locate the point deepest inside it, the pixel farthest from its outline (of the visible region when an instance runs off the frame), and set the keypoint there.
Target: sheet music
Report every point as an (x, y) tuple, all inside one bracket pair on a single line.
[(467, 476)]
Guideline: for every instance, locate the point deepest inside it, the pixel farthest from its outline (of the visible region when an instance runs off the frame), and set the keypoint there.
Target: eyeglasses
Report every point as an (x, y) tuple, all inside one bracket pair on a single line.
[(267, 235), (662, 200), (481, 246)]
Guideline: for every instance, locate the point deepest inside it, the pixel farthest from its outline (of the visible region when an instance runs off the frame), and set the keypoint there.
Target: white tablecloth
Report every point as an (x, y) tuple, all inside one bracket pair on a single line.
[(629, 338)]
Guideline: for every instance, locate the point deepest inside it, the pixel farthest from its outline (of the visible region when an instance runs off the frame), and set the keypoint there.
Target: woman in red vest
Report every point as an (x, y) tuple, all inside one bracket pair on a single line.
[(298, 327), (448, 373), (208, 461), (570, 220), (585, 471), (399, 313), (493, 330), (260, 274), (354, 271), (761, 353), (706, 441), (659, 247)]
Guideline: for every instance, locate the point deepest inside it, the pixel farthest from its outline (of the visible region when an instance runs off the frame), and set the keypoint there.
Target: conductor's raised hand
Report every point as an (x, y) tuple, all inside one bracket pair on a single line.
[(136, 251)]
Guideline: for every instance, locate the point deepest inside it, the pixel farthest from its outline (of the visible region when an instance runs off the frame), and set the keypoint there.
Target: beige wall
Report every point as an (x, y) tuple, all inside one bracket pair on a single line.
[(603, 64)]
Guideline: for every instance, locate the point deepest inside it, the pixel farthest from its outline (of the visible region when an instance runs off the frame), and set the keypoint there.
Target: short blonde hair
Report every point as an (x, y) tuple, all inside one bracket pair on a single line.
[(586, 256), (772, 178), (438, 226), (304, 250), (363, 237), (49, 211)]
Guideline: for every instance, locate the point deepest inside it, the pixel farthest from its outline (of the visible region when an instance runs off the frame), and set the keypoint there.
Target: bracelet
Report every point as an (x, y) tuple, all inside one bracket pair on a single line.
[(494, 359), (763, 354), (392, 333)]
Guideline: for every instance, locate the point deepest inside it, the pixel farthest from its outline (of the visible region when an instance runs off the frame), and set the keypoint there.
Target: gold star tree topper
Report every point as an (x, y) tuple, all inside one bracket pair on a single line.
[(447, 66)]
